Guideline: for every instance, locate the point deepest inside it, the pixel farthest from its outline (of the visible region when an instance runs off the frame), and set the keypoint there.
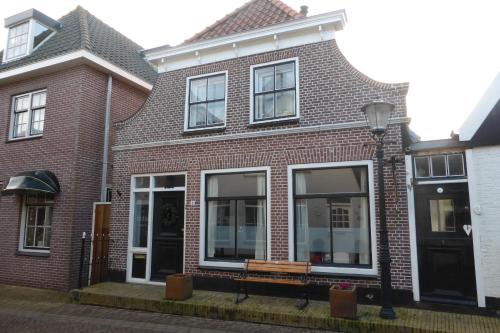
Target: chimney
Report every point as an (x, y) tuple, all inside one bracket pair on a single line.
[(303, 10)]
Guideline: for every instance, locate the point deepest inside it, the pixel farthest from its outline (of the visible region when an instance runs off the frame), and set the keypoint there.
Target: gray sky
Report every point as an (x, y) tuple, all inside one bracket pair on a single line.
[(447, 50)]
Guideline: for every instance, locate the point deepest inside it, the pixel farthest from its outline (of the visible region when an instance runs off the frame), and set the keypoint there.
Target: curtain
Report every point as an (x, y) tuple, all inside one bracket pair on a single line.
[(260, 234), (302, 224), (364, 234), (212, 191)]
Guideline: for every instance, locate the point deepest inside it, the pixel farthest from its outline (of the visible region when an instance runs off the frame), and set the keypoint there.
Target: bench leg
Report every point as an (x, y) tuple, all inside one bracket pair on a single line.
[(305, 302), (238, 299)]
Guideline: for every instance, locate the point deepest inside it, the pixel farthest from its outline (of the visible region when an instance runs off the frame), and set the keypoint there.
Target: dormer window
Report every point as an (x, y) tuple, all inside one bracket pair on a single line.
[(17, 43), (26, 32)]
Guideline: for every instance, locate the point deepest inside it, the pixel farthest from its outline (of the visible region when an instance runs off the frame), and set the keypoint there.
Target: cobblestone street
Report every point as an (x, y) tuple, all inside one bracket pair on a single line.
[(29, 316)]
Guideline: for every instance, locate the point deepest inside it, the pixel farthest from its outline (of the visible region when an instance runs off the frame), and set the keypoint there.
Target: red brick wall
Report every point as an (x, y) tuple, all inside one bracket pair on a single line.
[(71, 147), (331, 91)]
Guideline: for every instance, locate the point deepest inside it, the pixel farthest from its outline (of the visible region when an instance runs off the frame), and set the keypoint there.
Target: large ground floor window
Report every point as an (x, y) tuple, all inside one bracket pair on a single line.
[(331, 216), (236, 214)]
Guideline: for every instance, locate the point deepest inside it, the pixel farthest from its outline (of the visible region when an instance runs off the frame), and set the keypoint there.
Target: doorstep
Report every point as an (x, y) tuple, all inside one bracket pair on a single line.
[(279, 311)]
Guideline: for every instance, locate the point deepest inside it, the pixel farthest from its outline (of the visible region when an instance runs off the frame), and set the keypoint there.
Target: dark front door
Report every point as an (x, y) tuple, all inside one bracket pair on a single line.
[(444, 238), (168, 234)]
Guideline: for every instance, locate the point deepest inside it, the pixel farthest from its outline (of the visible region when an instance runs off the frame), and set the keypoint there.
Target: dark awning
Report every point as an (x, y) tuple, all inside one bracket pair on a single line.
[(40, 181)]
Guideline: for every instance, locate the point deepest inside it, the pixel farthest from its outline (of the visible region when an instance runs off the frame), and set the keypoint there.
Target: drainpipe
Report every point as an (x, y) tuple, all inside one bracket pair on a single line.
[(105, 153)]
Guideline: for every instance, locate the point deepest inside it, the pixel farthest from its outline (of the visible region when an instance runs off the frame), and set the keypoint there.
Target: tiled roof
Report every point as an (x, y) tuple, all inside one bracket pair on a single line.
[(252, 15), (83, 31)]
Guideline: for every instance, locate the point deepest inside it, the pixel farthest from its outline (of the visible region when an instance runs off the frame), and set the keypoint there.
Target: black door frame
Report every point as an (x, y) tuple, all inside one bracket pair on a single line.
[(181, 194)]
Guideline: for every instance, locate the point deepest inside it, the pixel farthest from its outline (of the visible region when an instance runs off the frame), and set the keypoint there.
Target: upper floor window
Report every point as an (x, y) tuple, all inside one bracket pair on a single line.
[(17, 41), (28, 114), (274, 91), (206, 102), (450, 165)]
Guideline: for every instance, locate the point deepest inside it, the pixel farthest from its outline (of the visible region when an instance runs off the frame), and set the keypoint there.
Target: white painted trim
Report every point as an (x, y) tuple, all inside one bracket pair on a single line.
[(441, 181), (415, 281), (476, 228), (151, 190), (337, 18), (201, 249), (23, 229), (74, 56), (30, 113), (254, 134), (373, 271), (297, 93), (481, 110), (186, 103)]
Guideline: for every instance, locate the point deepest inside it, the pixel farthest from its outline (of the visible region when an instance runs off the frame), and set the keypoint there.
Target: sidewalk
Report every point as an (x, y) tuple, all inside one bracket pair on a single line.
[(280, 311)]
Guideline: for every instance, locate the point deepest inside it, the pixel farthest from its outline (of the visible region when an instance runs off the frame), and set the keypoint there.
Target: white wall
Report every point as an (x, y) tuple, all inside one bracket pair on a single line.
[(484, 187)]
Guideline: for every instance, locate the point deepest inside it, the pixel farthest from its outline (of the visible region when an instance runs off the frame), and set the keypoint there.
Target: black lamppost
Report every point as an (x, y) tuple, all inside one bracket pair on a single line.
[(377, 115)]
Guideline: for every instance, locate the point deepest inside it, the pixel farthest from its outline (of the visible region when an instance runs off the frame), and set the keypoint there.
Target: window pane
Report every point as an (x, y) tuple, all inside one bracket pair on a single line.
[(197, 115), (442, 215), (141, 211), (39, 237), (170, 181), (216, 87), (438, 165), (313, 231), (31, 219), (30, 236), (349, 238), (40, 216), (251, 237), (285, 76), (264, 79), (139, 266), (37, 121), (38, 100), (285, 103), (264, 106), (22, 103), (340, 180), (40, 33), (422, 166), (221, 229), (141, 182), (46, 238), (236, 185), (21, 124), (198, 91), (215, 113), (456, 165)]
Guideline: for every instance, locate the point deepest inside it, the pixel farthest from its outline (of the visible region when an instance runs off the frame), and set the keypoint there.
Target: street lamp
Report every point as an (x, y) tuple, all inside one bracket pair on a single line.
[(377, 115)]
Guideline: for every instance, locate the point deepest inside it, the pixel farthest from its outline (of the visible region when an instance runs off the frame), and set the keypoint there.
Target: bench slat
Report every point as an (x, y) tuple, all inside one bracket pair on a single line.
[(269, 280)]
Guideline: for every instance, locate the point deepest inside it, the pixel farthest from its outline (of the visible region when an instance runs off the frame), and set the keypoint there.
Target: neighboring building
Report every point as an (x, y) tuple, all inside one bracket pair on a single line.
[(252, 144), (454, 209), (57, 81)]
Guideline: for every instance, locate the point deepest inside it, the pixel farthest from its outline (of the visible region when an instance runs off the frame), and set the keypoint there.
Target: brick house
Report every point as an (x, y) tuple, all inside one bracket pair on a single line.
[(58, 80), (252, 144)]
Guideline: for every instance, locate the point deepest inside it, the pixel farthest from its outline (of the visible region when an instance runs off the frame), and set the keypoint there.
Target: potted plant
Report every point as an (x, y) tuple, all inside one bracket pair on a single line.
[(179, 287), (343, 301)]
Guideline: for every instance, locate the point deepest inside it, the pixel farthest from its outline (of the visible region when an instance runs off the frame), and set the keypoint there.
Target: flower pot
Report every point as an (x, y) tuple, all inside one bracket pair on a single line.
[(179, 287), (343, 302)]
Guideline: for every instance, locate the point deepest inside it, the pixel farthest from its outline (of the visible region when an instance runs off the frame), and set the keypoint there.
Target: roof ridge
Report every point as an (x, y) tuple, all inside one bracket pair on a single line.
[(277, 3), (84, 28)]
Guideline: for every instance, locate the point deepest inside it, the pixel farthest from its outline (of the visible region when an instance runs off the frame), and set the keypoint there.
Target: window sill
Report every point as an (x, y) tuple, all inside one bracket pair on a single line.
[(42, 254), (33, 137), (203, 130), (274, 122)]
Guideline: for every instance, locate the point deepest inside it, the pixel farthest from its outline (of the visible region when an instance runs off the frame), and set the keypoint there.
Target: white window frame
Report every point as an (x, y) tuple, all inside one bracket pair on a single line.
[(232, 264), (297, 92), (31, 37), (447, 165), (22, 231), (373, 271), (30, 113), (186, 106), (131, 250)]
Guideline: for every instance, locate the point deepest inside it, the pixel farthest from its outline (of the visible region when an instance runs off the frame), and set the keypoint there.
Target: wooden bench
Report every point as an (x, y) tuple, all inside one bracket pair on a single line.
[(276, 272)]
